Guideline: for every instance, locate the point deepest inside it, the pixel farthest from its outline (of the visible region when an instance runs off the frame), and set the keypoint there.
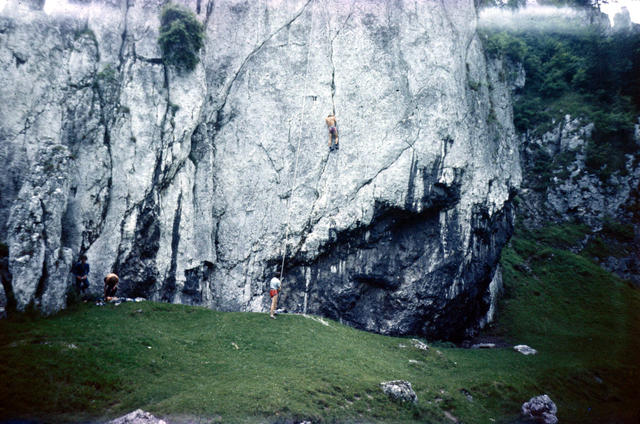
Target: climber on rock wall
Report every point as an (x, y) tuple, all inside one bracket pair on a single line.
[(333, 131)]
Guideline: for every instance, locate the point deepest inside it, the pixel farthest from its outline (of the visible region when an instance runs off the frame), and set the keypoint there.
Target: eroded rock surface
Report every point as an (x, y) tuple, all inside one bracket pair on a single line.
[(559, 186), (186, 184), (572, 190)]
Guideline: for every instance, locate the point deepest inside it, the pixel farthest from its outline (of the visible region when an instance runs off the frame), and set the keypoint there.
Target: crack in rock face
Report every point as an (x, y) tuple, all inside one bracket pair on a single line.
[(191, 185)]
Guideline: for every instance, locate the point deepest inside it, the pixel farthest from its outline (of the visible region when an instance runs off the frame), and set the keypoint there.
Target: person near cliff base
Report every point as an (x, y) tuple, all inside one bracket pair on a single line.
[(333, 131), (110, 286), (81, 271), (274, 290)]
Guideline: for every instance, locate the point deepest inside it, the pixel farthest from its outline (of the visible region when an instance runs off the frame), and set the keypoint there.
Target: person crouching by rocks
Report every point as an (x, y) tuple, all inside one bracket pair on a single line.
[(110, 286), (274, 290)]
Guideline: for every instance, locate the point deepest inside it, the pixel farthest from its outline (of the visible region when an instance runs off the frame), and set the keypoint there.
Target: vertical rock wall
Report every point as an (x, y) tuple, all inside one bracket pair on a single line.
[(187, 184)]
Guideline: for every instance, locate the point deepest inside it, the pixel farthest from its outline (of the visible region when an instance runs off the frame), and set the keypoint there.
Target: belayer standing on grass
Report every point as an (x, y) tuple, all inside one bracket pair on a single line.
[(110, 286), (333, 131), (274, 290), (81, 271)]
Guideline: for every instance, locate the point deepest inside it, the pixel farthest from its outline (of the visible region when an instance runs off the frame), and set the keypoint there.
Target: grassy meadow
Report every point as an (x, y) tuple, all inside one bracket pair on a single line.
[(191, 364)]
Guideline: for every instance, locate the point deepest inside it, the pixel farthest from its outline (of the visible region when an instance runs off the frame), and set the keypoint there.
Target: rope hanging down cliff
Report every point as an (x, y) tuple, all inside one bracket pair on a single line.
[(295, 167)]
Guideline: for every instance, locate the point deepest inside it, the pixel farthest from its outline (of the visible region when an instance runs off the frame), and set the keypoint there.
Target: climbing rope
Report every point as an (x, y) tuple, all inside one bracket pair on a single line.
[(327, 21), (295, 167), (336, 174)]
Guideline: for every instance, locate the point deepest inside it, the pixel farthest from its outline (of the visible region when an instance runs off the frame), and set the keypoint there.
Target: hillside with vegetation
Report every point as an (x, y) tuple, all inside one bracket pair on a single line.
[(578, 116), (580, 69)]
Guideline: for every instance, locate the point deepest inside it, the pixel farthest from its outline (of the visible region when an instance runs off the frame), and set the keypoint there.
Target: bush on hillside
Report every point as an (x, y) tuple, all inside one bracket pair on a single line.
[(181, 37)]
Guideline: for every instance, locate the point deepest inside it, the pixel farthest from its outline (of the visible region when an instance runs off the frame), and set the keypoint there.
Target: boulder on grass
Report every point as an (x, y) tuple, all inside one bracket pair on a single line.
[(525, 350), (540, 409), (399, 390), (418, 344)]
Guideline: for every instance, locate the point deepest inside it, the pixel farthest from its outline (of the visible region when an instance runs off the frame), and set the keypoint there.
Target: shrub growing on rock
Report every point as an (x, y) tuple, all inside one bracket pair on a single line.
[(181, 37)]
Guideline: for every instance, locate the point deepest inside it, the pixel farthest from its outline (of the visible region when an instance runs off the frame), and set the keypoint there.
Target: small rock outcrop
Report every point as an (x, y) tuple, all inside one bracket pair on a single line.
[(569, 189), (559, 186), (399, 390), (138, 417), (540, 409), (419, 344)]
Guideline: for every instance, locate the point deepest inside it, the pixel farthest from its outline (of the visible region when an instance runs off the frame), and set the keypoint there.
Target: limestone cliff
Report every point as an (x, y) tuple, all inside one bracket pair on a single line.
[(186, 184)]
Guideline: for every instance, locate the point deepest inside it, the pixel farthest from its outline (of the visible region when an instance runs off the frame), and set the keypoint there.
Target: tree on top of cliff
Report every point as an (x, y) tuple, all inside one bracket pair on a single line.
[(181, 37)]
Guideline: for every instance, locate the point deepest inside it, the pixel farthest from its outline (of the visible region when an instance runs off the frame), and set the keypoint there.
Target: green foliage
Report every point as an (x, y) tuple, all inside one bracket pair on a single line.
[(475, 85), (612, 139), (574, 3), (544, 167), (181, 37), (579, 71), (564, 236), (108, 75), (614, 240), (618, 231), (502, 42)]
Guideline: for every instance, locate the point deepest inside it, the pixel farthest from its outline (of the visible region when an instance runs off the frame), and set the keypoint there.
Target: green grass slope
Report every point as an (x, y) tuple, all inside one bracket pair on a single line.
[(92, 363), (586, 321)]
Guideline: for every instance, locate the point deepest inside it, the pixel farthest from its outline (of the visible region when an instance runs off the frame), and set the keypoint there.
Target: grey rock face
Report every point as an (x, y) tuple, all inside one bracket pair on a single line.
[(492, 296), (579, 194), (192, 186), (575, 193), (5, 281), (622, 20), (35, 232), (3, 302), (540, 409), (399, 390)]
